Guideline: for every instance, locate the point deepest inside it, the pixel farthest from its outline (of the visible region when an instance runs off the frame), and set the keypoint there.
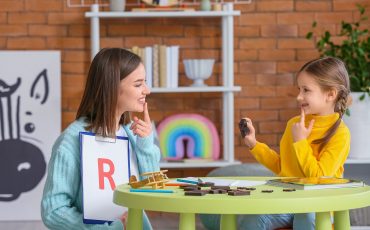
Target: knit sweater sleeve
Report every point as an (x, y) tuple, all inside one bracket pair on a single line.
[(266, 156), (330, 159), (59, 209), (147, 153)]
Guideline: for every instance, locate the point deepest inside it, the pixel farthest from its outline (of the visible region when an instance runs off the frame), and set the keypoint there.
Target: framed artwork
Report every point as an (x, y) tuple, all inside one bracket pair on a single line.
[(30, 122)]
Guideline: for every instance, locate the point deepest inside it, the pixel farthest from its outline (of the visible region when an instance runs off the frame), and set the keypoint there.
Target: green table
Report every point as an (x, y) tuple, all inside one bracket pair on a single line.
[(322, 202)]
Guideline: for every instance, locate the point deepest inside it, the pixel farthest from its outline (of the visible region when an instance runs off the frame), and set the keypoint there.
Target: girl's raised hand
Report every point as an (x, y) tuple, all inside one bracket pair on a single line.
[(143, 128), (250, 139), (299, 130)]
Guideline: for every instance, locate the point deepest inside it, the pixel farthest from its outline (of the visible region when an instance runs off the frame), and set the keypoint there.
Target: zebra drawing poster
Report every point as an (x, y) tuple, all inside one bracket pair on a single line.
[(30, 122)]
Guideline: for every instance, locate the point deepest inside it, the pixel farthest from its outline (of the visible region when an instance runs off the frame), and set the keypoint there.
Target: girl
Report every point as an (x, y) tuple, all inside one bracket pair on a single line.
[(314, 144), (115, 86)]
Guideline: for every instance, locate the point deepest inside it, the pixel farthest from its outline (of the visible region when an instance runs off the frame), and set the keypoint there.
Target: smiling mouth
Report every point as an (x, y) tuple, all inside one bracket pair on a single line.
[(304, 105)]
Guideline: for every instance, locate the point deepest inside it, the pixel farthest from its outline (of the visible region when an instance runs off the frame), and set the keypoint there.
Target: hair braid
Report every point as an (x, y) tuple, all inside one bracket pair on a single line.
[(342, 102)]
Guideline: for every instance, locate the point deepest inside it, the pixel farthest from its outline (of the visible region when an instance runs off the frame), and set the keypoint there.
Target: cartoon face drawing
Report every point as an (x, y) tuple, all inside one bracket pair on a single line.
[(22, 163)]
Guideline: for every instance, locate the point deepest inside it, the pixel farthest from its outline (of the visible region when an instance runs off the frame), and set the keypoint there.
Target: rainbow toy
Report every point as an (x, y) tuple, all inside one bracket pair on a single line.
[(192, 136)]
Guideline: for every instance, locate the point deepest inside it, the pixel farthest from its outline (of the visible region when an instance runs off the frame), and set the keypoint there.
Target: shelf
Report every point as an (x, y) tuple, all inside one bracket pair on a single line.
[(226, 88), (357, 161), (211, 164), (196, 89), (161, 14)]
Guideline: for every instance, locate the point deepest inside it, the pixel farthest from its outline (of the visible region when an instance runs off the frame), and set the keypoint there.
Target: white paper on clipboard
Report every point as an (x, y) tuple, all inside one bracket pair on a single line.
[(104, 165)]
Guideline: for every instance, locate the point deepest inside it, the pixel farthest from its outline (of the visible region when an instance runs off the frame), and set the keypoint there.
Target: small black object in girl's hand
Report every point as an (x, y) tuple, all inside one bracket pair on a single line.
[(244, 130)]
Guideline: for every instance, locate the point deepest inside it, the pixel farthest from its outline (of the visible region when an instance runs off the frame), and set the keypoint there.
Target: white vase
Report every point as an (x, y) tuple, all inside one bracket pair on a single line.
[(205, 5), (117, 5), (359, 125)]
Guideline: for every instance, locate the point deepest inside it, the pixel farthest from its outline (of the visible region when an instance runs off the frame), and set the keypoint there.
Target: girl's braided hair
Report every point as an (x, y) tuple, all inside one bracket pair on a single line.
[(330, 73)]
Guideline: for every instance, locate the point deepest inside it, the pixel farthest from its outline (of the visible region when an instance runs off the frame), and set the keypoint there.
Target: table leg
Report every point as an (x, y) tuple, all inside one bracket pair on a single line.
[(134, 219), (341, 220), (228, 222), (187, 221), (323, 221)]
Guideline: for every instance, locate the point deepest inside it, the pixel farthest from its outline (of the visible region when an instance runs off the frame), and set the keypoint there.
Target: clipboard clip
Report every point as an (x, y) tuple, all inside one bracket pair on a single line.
[(105, 139)]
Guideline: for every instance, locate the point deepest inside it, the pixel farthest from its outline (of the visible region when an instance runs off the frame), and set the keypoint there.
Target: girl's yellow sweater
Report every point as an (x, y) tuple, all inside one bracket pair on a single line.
[(302, 158)]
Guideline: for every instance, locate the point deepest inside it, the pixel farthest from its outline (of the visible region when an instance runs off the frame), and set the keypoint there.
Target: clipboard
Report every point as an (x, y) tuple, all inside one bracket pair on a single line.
[(105, 163)]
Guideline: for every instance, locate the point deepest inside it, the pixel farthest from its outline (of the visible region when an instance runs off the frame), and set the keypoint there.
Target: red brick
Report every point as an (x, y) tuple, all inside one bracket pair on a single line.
[(259, 91), (313, 6), (67, 43), (307, 54), (244, 80), (334, 17), (245, 55), (112, 42), (287, 114), (13, 30), (47, 30), (275, 6), (67, 118), (287, 91), (260, 115), (78, 31), (211, 42), (67, 18), (276, 54), (257, 43), (246, 31), (317, 31), (183, 42), (11, 5), (75, 67), (257, 67), (272, 127), (26, 43), (275, 79), (294, 43), (246, 103), (2, 43), (295, 18), (199, 53), (44, 5), (165, 30), (345, 5), (289, 67), (195, 31), (75, 56), (279, 30), (3, 18), (258, 19), (26, 18), (278, 103), (269, 139)]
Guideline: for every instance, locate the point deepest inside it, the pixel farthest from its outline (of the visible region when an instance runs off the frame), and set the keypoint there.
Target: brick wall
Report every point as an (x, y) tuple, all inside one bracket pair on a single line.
[(270, 46)]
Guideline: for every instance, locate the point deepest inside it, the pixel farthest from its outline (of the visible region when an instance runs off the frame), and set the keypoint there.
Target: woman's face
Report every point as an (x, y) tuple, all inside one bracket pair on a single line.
[(132, 92)]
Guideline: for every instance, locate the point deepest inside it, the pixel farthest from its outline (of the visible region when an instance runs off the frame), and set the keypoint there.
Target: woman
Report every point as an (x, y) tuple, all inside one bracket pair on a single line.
[(115, 87)]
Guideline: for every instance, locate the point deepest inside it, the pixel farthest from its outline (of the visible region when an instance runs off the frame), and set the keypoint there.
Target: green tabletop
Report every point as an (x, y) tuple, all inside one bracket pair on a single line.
[(319, 201)]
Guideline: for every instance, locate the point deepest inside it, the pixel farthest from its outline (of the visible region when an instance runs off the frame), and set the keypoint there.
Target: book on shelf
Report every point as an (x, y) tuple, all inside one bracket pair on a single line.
[(312, 183), (161, 65)]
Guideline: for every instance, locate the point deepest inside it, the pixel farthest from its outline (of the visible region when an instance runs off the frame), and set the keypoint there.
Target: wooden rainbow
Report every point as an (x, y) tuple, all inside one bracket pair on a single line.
[(188, 136)]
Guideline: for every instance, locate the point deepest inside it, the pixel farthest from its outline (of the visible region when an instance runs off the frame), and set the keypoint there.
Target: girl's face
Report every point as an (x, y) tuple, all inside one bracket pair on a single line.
[(312, 98), (132, 92)]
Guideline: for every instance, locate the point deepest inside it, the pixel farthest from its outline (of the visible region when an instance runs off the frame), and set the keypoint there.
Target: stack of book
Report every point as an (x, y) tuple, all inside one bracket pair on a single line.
[(161, 64)]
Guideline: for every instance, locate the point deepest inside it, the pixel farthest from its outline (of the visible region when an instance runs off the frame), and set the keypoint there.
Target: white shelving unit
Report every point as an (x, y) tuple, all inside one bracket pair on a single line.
[(227, 89)]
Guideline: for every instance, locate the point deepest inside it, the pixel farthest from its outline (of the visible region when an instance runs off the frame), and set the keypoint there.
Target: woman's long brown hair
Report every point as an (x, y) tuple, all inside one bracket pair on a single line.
[(99, 101), (330, 73)]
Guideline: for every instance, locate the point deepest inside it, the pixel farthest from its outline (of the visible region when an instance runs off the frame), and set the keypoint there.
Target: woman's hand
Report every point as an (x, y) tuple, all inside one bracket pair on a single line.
[(299, 130), (143, 128), (250, 139)]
